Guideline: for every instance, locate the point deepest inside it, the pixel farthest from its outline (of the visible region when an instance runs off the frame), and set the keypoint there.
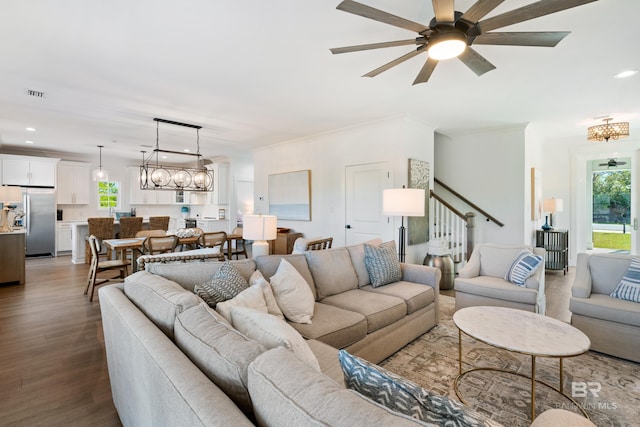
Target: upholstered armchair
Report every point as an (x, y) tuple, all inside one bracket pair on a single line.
[(612, 324), (483, 279)]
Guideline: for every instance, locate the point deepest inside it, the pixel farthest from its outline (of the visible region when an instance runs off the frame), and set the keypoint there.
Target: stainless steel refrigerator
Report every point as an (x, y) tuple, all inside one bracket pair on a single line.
[(39, 206)]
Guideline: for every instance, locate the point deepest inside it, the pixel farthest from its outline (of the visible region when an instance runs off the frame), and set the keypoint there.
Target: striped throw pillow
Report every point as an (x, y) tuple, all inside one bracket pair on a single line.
[(629, 287), (523, 267), (225, 284), (381, 263)]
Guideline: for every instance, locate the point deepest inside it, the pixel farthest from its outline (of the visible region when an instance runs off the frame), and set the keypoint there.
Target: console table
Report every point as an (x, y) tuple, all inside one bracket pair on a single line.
[(556, 244), (284, 243)]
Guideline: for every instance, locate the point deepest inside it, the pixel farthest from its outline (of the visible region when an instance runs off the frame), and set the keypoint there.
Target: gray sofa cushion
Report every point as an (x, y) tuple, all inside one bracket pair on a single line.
[(286, 392), (493, 287), (495, 260), (356, 252), (334, 326), (268, 265), (160, 299), (332, 271), (190, 274), (414, 295), (607, 271), (328, 359), (604, 307), (220, 351), (380, 310)]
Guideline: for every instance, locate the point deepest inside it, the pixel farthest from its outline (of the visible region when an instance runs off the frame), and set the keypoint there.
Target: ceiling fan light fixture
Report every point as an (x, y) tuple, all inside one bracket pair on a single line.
[(608, 131), (447, 45)]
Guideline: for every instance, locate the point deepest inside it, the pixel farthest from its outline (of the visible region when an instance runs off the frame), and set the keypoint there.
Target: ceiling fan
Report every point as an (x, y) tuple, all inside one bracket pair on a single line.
[(612, 163), (451, 33)]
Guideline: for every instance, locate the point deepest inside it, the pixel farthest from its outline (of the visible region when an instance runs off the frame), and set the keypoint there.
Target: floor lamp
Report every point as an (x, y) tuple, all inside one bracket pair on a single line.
[(259, 228), (403, 202), (8, 195)]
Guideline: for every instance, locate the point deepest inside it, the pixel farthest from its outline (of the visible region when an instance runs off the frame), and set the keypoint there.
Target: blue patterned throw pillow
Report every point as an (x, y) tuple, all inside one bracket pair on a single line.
[(382, 263), (225, 284), (629, 287), (524, 266), (403, 396)]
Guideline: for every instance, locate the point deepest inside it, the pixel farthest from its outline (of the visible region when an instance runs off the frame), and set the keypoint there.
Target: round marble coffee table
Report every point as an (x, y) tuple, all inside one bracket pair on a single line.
[(522, 332)]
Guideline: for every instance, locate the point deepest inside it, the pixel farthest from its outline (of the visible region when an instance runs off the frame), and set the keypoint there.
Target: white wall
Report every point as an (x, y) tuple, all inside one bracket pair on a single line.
[(488, 167), (394, 140)]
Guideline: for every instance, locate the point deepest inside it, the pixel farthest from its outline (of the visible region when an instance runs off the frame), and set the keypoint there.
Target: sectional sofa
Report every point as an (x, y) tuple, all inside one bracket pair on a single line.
[(173, 360)]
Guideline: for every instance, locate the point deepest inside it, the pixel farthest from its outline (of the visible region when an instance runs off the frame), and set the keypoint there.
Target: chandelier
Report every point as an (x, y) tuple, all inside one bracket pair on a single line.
[(608, 131), (155, 176)]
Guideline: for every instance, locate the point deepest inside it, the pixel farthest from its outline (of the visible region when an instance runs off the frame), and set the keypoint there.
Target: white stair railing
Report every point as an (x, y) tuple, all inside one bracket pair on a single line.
[(450, 227)]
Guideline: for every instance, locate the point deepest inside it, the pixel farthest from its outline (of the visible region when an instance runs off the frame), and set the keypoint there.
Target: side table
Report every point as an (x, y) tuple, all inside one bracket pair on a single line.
[(556, 244)]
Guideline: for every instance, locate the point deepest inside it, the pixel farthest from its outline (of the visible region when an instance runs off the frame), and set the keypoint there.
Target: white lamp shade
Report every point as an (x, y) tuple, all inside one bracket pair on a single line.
[(259, 227), (10, 194), (552, 205), (403, 202)]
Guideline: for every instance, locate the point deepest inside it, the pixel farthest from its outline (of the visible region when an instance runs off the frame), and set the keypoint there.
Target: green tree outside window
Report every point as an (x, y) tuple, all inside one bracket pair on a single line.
[(108, 195)]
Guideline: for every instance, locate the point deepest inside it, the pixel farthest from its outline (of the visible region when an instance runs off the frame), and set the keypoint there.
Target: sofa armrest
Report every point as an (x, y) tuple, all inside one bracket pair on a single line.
[(422, 274), (581, 287), (472, 267)]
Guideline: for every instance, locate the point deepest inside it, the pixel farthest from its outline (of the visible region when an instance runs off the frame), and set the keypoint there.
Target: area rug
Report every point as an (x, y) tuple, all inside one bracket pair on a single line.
[(607, 388)]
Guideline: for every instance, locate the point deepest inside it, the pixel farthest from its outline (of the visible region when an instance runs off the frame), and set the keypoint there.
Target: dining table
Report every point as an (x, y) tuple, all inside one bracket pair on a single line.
[(121, 246)]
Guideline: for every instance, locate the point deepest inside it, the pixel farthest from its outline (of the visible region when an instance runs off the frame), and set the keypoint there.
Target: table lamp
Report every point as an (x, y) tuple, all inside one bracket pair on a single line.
[(259, 228), (403, 202), (8, 195), (552, 206)]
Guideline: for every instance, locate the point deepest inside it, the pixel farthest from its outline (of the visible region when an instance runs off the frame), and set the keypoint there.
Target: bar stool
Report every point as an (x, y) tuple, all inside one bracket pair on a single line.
[(159, 223), (101, 228)]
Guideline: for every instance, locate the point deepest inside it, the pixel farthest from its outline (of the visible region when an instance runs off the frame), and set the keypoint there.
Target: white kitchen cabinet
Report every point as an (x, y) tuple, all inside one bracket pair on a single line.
[(63, 237), (25, 170), (72, 183), (220, 193)]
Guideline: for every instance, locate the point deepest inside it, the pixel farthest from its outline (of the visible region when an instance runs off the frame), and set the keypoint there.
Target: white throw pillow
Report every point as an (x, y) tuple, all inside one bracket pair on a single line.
[(272, 332), (293, 295), (252, 297), (257, 279)]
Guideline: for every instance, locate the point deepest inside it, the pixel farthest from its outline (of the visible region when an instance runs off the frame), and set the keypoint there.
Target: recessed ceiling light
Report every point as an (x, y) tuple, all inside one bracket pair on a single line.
[(163, 157), (28, 142), (30, 129), (624, 74), (186, 150)]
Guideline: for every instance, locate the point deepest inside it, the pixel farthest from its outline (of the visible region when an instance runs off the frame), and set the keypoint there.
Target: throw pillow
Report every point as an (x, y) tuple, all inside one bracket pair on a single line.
[(257, 279), (272, 332), (403, 396), (629, 287), (252, 297), (293, 295), (225, 284), (382, 263), (523, 267)]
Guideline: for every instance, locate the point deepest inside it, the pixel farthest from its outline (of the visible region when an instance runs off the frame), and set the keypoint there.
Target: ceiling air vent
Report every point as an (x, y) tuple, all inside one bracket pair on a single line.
[(35, 93)]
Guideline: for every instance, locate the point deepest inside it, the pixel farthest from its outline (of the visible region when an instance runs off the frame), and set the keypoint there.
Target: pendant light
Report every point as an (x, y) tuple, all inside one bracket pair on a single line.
[(100, 174)]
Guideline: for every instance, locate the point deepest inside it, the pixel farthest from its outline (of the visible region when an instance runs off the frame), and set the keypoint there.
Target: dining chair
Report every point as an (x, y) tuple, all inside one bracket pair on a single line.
[(236, 246), (129, 226), (319, 244), (159, 223), (149, 233), (97, 266), (161, 244), (101, 228), (215, 239)]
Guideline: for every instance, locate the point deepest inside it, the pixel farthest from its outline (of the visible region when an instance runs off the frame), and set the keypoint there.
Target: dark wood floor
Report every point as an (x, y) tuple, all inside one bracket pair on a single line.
[(52, 363), (53, 370)]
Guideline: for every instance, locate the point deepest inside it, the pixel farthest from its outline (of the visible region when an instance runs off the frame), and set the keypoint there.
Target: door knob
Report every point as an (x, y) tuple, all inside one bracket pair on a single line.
[(347, 226)]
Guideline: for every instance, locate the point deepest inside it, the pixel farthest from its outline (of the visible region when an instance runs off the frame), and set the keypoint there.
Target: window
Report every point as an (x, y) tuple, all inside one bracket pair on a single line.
[(108, 195)]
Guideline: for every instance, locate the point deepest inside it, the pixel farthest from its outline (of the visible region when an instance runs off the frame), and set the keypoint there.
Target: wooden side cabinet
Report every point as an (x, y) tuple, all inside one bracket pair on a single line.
[(12, 251), (283, 244), (556, 243)]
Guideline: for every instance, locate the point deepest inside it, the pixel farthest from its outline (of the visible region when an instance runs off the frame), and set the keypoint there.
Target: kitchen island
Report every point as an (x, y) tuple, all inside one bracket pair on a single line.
[(12, 252)]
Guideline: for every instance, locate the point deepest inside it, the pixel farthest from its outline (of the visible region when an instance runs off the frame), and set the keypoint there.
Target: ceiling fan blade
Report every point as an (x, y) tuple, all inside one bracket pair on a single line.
[(475, 61), (529, 38), (480, 9), (393, 63), (443, 10), (357, 48), (380, 16), (531, 11), (426, 71)]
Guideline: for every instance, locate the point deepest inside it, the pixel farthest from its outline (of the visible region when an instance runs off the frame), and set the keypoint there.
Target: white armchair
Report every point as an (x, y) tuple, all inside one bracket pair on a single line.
[(482, 280)]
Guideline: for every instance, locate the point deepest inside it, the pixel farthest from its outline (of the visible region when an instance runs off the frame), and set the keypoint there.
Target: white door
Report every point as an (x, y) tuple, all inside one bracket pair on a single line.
[(364, 218)]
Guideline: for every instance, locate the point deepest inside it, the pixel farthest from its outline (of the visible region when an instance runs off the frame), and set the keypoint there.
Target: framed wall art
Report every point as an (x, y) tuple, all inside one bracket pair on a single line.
[(419, 178), (290, 195)]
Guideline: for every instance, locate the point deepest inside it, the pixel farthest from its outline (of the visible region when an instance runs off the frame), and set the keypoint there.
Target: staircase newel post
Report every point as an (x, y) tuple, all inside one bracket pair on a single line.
[(471, 225)]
